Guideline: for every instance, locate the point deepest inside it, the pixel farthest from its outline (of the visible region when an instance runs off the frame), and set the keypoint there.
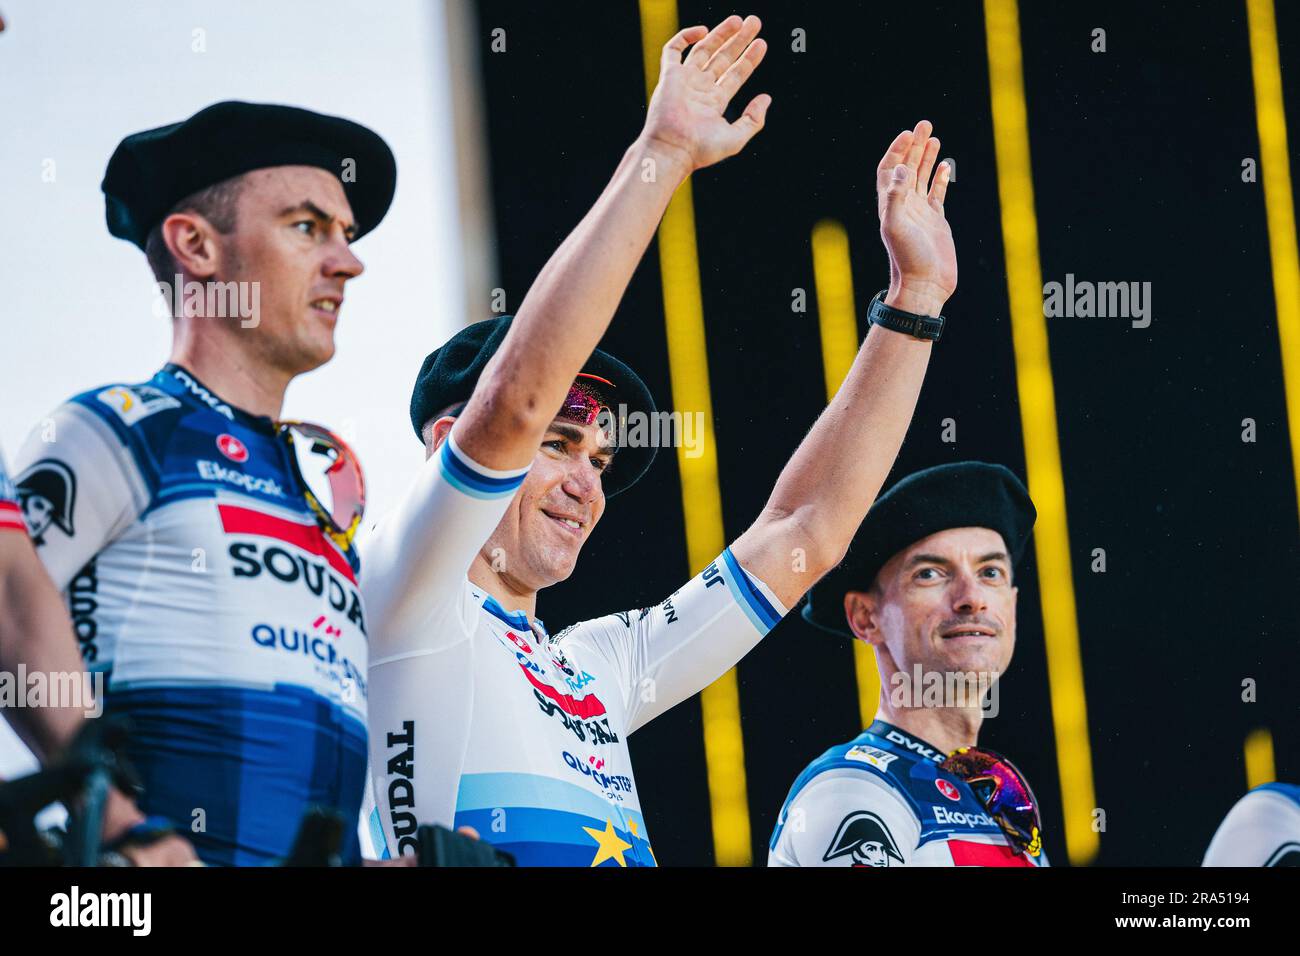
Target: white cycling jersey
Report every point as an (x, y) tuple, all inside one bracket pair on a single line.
[(1261, 829), (479, 717)]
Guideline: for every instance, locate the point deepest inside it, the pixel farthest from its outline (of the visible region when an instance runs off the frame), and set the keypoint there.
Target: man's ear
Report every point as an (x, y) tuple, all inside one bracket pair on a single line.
[(436, 432), (863, 616), (192, 241)]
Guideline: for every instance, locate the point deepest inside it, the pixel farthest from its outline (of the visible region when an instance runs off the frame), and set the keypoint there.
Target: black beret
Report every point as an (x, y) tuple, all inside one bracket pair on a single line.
[(449, 374), (150, 172), (965, 494)]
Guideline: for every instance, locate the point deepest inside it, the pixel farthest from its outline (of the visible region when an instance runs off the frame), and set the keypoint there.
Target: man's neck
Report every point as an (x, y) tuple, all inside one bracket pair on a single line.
[(510, 594), (231, 373), (945, 727)]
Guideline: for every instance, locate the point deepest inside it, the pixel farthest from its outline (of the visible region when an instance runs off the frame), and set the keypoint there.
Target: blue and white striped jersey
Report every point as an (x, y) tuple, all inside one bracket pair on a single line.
[(883, 800), (481, 718), (230, 627)]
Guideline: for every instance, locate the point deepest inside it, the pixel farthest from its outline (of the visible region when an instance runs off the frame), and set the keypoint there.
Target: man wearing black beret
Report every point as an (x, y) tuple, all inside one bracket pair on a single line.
[(927, 583), (215, 592), (480, 717)]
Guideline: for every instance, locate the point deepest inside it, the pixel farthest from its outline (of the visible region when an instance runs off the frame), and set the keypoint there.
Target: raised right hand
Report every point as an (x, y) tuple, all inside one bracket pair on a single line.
[(685, 117)]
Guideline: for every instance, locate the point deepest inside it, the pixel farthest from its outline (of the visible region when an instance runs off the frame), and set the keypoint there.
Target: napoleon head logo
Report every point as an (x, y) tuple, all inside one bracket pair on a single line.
[(47, 492), (863, 837)]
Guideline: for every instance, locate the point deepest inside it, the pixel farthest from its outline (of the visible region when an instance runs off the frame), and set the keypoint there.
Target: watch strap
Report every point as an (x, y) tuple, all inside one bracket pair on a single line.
[(909, 323)]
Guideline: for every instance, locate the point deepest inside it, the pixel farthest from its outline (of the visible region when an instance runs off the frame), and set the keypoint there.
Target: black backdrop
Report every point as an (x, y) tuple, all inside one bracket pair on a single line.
[(1137, 157)]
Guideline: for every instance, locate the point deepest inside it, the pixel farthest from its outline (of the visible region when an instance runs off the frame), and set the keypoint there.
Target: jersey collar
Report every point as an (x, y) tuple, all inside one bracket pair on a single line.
[(178, 380), (516, 619), (909, 743)]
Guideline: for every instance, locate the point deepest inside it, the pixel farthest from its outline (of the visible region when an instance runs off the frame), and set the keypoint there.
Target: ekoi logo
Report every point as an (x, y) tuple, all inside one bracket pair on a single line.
[(863, 837), (47, 494)]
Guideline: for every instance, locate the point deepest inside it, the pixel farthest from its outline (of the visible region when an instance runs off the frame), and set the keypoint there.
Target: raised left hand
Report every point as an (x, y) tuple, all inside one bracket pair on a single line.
[(922, 258)]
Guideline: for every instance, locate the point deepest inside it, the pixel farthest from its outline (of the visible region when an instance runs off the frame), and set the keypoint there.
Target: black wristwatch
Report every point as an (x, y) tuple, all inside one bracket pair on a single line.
[(909, 323)]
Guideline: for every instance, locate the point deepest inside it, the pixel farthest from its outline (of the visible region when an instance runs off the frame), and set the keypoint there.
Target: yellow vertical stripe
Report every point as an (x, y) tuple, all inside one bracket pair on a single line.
[(1275, 162), (724, 748), (1038, 423), (1259, 758), (836, 317), (838, 323)]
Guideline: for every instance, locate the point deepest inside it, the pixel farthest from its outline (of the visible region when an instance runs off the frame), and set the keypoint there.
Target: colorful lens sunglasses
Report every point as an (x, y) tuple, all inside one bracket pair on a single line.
[(585, 401), (347, 484), (342, 472), (1004, 792)]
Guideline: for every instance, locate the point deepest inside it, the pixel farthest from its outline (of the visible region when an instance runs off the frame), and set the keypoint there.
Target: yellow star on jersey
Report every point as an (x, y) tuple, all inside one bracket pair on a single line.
[(632, 825), (610, 846)]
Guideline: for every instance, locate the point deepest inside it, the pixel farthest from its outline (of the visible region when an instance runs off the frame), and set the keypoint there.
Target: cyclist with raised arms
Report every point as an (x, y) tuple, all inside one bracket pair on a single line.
[(480, 717)]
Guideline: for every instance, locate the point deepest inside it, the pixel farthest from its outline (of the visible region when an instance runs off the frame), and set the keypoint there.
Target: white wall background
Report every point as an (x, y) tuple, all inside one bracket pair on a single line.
[(75, 303)]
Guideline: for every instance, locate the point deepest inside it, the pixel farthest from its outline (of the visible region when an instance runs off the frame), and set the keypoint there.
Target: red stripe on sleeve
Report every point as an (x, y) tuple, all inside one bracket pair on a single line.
[(11, 517)]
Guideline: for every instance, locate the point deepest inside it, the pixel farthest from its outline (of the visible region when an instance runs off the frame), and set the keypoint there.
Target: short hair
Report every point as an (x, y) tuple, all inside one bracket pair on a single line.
[(451, 411), (215, 203)]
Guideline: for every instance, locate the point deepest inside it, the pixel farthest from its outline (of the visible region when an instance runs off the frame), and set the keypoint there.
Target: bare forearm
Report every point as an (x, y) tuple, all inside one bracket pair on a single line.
[(36, 632), (826, 489), (573, 300), (568, 308)]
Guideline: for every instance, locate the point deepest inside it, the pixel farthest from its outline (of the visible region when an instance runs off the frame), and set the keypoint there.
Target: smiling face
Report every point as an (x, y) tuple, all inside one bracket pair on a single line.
[(537, 542), (946, 603), (292, 228)]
